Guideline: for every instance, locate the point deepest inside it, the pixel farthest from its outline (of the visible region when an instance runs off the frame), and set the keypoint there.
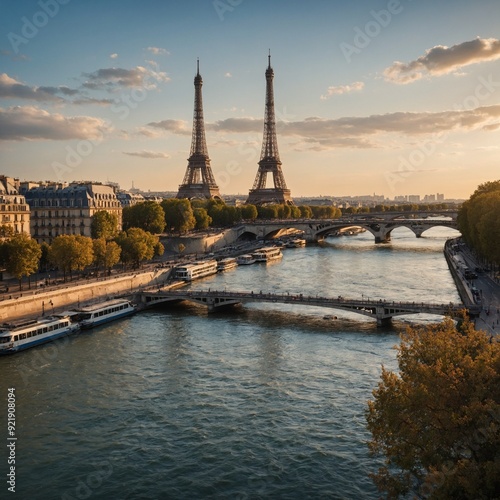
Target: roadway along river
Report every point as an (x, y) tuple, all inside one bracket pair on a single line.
[(266, 401)]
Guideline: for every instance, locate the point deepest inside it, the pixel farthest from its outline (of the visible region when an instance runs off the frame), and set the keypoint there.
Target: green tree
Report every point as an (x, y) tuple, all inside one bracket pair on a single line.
[(148, 216), (22, 256), (44, 258), (305, 211), (437, 421), (71, 253), (179, 215), (138, 245), (104, 225), (248, 212), (203, 220), (478, 221), (106, 254)]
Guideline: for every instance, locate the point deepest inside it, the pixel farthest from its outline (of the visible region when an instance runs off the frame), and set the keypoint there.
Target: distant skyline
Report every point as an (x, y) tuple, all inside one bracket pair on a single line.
[(392, 97)]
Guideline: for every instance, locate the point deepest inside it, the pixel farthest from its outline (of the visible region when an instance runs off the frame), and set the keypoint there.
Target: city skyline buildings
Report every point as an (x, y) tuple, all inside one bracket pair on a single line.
[(366, 100)]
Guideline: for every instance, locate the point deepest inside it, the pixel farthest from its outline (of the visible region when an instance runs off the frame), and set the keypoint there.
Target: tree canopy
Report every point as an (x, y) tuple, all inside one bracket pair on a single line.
[(437, 421), (479, 221), (179, 215), (104, 225), (71, 253), (21, 256), (148, 216), (138, 245)]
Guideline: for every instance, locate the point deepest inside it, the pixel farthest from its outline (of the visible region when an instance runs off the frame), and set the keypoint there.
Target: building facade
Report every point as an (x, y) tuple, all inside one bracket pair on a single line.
[(14, 211), (59, 208)]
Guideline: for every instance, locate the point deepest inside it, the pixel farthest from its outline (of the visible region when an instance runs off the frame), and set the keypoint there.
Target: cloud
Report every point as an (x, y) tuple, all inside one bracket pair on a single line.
[(228, 75), (441, 60), (22, 123), (14, 57), (343, 89), (237, 125), (113, 56), (13, 89), (157, 51), (111, 79), (146, 154), (174, 126), (362, 132)]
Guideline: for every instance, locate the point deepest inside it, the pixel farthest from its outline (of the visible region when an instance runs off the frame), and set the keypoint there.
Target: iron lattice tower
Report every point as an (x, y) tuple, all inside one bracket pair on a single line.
[(199, 181), (269, 156)]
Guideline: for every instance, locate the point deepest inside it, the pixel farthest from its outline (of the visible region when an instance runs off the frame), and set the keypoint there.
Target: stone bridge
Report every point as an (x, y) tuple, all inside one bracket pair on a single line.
[(381, 310), (379, 224)]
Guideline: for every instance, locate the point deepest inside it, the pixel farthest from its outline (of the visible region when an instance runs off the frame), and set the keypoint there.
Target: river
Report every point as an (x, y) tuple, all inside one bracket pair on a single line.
[(265, 401)]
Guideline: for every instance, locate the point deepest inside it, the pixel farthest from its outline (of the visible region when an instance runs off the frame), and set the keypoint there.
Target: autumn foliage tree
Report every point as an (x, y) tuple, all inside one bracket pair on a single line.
[(71, 253), (104, 225), (138, 245), (21, 256), (437, 421)]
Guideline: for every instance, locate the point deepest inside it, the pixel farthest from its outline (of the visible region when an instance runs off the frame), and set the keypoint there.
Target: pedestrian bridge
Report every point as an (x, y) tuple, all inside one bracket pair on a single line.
[(380, 225), (380, 310)]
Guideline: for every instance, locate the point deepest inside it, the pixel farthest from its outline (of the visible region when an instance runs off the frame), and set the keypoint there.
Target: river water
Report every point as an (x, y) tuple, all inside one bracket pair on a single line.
[(266, 401)]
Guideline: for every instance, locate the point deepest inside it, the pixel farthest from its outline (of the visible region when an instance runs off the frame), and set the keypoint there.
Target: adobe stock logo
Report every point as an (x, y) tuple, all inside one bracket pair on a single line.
[(31, 28)]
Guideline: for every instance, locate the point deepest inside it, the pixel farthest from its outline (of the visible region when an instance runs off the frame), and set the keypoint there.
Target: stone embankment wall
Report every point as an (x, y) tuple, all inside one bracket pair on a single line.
[(31, 304), (463, 289), (204, 242)]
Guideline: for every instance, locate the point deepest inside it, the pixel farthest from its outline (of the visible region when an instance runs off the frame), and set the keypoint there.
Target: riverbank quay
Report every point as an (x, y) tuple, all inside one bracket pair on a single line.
[(40, 302), (487, 287)]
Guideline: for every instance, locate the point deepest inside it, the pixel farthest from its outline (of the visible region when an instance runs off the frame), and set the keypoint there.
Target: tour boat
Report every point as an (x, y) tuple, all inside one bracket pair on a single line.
[(226, 264), (191, 272), (245, 260), (296, 243), (267, 254), (103, 312), (22, 335)]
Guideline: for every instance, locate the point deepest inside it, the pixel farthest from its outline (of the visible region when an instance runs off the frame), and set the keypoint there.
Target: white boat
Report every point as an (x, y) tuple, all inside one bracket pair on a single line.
[(226, 264), (191, 272), (110, 310), (245, 260), (267, 254), (23, 335), (296, 243)]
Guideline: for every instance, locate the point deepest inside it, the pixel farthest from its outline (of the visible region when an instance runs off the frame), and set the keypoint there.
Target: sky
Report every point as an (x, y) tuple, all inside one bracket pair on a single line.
[(392, 97)]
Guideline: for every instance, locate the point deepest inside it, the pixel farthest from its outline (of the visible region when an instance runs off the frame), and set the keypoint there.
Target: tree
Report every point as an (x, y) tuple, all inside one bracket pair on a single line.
[(138, 245), (248, 212), (71, 253), (106, 254), (22, 256), (305, 211), (179, 215), (104, 225), (6, 231), (148, 216), (438, 421), (478, 221), (203, 220)]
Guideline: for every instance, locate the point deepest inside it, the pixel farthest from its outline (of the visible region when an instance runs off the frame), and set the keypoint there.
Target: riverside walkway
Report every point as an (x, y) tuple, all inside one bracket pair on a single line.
[(381, 310)]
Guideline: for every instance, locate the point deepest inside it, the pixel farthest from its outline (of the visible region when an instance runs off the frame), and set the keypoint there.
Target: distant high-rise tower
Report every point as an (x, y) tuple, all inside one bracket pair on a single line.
[(269, 157), (199, 181)]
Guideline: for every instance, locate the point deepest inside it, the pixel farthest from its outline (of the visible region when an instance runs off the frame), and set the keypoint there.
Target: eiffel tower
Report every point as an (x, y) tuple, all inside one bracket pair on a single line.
[(269, 157), (199, 181)]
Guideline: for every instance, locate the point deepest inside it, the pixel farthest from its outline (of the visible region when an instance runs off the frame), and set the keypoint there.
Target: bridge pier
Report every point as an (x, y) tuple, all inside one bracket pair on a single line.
[(384, 321), (384, 238)]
